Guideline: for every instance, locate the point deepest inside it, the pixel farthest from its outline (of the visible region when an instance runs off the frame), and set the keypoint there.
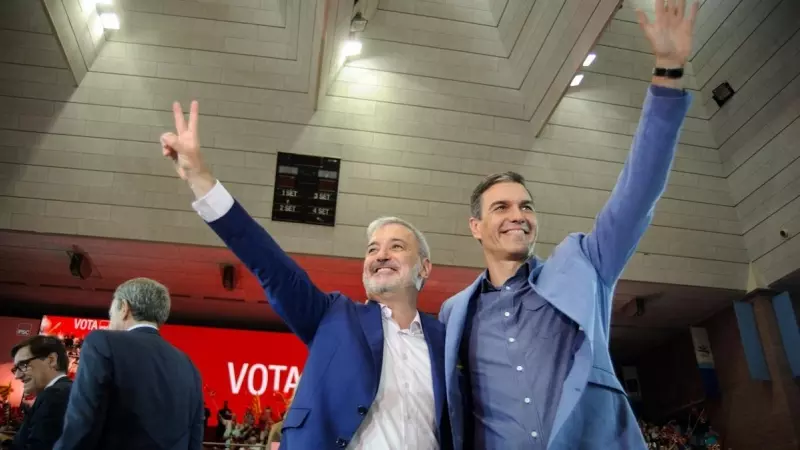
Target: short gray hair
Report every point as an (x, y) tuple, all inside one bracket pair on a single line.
[(148, 300), (377, 224)]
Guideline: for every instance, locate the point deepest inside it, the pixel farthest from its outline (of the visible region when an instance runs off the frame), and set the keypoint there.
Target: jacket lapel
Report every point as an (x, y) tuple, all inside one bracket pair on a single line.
[(370, 317), (455, 328), (434, 336)]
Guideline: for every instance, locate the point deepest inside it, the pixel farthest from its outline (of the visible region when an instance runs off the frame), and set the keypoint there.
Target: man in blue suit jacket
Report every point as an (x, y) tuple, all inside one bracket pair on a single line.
[(526, 354), (374, 378), (134, 390)]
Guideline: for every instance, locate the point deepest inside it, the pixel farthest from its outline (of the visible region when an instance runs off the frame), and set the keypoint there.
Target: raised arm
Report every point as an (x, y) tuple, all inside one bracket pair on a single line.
[(623, 220), (288, 288)]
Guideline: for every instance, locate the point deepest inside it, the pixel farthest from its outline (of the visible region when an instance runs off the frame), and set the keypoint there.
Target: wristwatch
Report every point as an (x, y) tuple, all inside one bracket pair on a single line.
[(672, 74)]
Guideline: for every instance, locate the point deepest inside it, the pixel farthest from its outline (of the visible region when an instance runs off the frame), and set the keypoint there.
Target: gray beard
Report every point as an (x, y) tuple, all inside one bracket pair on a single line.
[(416, 280)]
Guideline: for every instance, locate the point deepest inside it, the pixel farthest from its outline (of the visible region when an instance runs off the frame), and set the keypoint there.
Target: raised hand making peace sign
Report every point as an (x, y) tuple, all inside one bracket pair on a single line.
[(184, 150)]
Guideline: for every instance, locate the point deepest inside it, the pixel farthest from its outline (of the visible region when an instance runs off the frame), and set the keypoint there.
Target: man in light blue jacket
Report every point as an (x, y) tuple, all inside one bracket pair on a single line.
[(527, 364)]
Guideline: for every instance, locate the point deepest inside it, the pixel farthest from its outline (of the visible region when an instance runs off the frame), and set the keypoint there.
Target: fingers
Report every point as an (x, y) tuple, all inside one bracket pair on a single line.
[(693, 12), (194, 111), (680, 8), (660, 7), (169, 142), (180, 121), (643, 20)]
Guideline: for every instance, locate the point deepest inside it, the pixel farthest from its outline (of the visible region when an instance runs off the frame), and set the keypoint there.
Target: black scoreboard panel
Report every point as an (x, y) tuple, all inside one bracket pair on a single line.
[(305, 189)]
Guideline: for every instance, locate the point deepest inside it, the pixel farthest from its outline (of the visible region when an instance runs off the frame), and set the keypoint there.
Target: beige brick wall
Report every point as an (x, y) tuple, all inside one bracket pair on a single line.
[(758, 130), (413, 135)]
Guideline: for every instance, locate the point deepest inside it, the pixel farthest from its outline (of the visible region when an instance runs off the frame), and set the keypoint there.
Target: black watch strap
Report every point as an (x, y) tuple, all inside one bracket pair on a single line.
[(672, 74)]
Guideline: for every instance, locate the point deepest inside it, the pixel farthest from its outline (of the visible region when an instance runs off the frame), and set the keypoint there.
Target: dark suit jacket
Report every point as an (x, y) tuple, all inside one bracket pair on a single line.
[(345, 339), (43, 423), (133, 391)]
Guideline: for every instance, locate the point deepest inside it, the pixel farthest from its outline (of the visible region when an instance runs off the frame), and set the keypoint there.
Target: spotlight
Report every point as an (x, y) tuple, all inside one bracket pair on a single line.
[(358, 24), (351, 48), (108, 16), (110, 21), (576, 80), (589, 59)]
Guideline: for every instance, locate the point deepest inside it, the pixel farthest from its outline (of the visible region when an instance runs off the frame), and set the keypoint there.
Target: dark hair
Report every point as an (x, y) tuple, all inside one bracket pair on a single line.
[(475, 204), (42, 346)]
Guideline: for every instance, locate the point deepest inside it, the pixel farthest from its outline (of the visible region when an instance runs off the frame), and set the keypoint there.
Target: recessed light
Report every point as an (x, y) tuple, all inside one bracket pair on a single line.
[(576, 80), (589, 59)]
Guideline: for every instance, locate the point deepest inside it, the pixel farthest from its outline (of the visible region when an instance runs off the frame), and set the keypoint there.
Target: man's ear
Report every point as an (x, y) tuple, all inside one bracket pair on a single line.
[(426, 269), (124, 309), (52, 360), (475, 228)]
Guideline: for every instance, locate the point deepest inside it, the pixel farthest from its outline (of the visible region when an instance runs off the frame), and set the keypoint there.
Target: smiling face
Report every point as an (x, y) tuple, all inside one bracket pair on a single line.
[(507, 225), (393, 261), (34, 373)]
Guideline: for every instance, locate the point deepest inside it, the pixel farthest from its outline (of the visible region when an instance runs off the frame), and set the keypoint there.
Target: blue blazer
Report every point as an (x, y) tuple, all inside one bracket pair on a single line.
[(345, 341), (579, 279), (133, 391)]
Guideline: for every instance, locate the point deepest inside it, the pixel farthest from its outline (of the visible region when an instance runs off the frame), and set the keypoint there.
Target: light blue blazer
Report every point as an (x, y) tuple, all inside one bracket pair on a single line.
[(578, 279)]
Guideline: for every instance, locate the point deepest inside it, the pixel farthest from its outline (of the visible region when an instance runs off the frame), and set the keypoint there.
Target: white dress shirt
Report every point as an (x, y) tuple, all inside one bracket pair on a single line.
[(143, 325), (402, 417), (53, 381)]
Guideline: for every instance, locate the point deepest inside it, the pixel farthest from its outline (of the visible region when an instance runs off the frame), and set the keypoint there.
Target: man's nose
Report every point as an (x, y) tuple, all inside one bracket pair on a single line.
[(517, 215)]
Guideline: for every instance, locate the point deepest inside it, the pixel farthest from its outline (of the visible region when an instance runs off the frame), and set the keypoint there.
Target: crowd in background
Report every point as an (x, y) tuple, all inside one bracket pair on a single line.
[(257, 428), (695, 433)]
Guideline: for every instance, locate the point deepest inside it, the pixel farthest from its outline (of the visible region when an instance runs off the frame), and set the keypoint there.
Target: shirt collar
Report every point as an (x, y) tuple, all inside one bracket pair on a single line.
[(416, 324), (143, 325), (531, 266), (53, 381)]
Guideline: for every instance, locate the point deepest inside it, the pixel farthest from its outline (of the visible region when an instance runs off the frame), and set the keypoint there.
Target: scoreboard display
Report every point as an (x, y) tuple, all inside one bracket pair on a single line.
[(305, 189)]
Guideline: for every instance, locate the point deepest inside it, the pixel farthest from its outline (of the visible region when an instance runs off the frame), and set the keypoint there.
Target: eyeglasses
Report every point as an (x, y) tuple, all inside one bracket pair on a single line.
[(23, 365)]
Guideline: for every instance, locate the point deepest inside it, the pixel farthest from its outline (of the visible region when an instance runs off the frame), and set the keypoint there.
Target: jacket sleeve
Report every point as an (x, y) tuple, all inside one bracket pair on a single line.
[(623, 220), (288, 288), (88, 400), (47, 419)]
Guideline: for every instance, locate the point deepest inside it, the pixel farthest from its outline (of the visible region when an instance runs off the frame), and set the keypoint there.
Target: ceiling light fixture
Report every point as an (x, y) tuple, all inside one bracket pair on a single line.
[(108, 16), (351, 48), (589, 59), (576, 80), (110, 21)]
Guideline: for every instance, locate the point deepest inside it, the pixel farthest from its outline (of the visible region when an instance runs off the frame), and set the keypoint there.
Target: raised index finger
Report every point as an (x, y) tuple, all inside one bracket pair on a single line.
[(180, 121), (194, 111)]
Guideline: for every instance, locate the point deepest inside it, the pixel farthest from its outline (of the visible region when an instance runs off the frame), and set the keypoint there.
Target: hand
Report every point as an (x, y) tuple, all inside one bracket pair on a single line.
[(184, 147), (670, 35), (184, 150)]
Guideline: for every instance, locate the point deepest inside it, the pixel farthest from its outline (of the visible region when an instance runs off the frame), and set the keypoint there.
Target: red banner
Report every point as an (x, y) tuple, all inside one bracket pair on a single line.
[(250, 369)]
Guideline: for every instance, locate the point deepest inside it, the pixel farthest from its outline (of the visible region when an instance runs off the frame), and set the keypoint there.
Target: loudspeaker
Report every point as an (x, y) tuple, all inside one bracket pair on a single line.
[(80, 266), (228, 277), (722, 93)]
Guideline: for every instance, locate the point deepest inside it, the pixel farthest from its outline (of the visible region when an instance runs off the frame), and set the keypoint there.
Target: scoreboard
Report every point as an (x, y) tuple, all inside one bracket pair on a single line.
[(305, 189)]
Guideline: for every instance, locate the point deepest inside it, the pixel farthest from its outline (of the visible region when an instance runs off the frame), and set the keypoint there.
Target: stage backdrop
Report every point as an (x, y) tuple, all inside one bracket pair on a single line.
[(12, 331), (249, 369)]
